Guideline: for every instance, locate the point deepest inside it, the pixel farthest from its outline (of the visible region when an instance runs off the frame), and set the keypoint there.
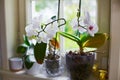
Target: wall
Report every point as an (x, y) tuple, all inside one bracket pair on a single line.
[(2, 33), (0, 58), (8, 29), (115, 41), (104, 26), (11, 19)]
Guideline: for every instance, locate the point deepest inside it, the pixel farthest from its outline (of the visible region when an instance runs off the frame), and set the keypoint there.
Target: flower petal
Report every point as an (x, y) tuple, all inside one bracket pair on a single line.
[(74, 24), (82, 30), (87, 18), (92, 29)]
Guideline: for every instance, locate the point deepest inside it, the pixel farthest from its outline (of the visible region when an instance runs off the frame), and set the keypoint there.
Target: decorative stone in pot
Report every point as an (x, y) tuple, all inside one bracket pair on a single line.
[(53, 66), (79, 65)]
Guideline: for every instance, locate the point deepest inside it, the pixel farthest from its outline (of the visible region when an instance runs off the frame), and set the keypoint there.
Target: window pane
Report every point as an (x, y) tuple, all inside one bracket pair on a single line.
[(47, 8), (70, 11)]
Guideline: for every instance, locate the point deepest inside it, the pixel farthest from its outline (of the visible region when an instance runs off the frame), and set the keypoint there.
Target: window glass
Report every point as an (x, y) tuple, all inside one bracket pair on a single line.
[(70, 12), (46, 8), (49, 8)]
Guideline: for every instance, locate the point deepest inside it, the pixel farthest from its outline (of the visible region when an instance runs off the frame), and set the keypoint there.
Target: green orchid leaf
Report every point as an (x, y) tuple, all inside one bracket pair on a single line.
[(39, 52), (22, 49), (84, 37), (97, 41), (28, 63), (26, 41), (70, 36), (53, 17)]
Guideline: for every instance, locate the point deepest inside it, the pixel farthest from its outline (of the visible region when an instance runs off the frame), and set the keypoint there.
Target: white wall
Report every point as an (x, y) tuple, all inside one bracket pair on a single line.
[(8, 29), (11, 19), (104, 26), (115, 41)]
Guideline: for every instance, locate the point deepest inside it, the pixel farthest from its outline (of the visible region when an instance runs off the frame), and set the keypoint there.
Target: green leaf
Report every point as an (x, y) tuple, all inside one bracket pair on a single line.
[(53, 17), (39, 52), (70, 36), (22, 48), (84, 37), (97, 41), (26, 41), (28, 63)]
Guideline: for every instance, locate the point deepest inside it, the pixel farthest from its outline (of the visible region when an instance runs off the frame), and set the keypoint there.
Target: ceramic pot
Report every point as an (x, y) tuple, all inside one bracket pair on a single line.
[(15, 64)]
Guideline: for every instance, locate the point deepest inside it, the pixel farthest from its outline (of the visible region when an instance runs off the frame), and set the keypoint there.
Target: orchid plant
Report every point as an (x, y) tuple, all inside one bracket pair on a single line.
[(42, 34), (38, 36), (87, 33)]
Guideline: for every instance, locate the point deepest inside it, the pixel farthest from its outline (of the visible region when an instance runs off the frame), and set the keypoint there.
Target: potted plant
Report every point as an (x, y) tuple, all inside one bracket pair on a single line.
[(80, 63), (25, 50), (53, 59), (42, 35)]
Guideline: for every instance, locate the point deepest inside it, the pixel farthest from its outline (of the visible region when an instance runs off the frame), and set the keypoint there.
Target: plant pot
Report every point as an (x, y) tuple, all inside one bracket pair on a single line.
[(52, 67), (79, 66), (15, 64), (35, 69)]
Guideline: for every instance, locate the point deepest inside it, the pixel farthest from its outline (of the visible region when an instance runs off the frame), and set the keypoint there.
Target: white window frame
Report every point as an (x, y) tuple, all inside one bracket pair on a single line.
[(29, 18), (114, 66), (102, 25)]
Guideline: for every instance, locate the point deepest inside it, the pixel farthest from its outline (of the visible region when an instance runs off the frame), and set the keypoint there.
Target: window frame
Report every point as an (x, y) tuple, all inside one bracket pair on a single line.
[(100, 13), (112, 69), (114, 62)]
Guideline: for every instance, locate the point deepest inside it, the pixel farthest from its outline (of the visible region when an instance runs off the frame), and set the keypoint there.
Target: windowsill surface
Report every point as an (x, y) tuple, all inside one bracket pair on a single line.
[(21, 75)]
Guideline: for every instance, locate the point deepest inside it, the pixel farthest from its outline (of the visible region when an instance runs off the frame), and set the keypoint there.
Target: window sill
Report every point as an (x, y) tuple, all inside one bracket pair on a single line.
[(8, 75)]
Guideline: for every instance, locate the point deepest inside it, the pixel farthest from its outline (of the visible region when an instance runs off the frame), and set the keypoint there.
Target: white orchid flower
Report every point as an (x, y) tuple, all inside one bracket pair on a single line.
[(30, 31), (33, 28), (87, 19), (74, 24), (39, 34), (81, 30), (51, 30), (37, 23), (42, 37), (91, 27), (30, 52), (76, 27), (32, 58)]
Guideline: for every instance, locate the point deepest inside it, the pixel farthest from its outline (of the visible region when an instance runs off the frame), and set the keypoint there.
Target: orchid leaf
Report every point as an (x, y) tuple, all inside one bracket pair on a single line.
[(97, 41), (22, 48), (84, 37), (26, 41), (28, 63), (70, 36), (39, 52)]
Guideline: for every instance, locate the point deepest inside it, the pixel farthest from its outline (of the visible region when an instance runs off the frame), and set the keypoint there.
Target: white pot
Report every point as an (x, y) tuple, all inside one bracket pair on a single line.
[(34, 70)]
